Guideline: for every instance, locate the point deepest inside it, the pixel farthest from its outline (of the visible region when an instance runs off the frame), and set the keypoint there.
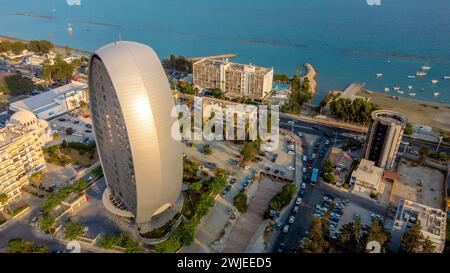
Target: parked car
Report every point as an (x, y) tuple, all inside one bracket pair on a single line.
[(303, 185), (286, 229), (295, 209), (291, 219), (233, 181), (290, 168), (298, 201), (291, 153), (301, 193)]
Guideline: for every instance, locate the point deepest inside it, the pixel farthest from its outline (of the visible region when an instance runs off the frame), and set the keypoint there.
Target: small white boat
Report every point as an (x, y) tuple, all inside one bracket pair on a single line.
[(396, 88), (436, 94), (420, 74), (387, 89), (446, 77), (412, 94), (410, 87), (69, 29), (434, 81), (400, 92), (379, 75), (412, 77), (425, 67)]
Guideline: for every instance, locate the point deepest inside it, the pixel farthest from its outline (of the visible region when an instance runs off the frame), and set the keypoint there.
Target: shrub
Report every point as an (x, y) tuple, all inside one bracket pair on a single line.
[(240, 202)]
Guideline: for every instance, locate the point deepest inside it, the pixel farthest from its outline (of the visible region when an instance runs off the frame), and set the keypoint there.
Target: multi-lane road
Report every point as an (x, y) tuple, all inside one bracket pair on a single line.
[(313, 195)]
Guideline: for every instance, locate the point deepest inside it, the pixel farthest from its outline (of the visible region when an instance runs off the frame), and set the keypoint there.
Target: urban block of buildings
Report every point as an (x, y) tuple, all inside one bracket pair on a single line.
[(131, 106), (21, 155), (54, 102), (233, 79), (432, 221)]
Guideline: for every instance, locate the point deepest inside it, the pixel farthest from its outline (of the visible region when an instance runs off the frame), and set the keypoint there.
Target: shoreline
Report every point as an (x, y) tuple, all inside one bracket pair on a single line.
[(435, 115), (311, 76), (58, 48)]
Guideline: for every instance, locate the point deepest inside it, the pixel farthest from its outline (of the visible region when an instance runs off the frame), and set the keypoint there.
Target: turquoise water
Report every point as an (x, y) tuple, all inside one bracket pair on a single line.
[(346, 40)]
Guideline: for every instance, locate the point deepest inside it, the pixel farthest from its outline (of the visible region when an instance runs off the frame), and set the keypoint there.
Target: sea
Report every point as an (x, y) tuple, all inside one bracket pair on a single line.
[(345, 40)]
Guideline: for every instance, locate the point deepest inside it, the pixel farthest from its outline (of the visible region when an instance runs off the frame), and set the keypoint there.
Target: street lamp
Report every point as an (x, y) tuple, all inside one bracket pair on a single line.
[(439, 145)]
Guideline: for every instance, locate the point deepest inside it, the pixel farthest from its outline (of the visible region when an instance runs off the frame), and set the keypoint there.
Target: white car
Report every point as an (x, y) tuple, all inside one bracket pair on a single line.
[(303, 185), (300, 134), (304, 170), (291, 153), (298, 201), (327, 142), (291, 122), (291, 220), (305, 158), (290, 168), (327, 199), (313, 156), (286, 229), (90, 178)]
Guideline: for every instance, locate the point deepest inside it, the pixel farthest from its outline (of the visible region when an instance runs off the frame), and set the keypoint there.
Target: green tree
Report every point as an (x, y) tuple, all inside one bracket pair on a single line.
[(170, 245), (187, 231), (59, 71), (327, 166), (350, 236), (251, 150), (18, 85), (240, 202), (217, 93), (208, 150), (281, 78), (411, 241), (17, 47), (40, 46), (424, 152), (329, 178), (178, 63), (408, 129), (216, 184), (18, 245), (196, 186), (203, 205), (315, 241), (376, 232), (428, 246), (358, 110), (74, 231), (46, 224), (97, 172)]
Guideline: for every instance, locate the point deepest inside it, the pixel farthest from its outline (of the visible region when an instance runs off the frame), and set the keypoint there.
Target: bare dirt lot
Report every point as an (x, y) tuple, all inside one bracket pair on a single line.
[(418, 183)]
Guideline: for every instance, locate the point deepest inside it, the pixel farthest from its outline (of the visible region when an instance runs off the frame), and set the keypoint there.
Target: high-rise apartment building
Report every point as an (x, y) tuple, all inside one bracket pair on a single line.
[(131, 107), (232, 78), (385, 134), (20, 157)]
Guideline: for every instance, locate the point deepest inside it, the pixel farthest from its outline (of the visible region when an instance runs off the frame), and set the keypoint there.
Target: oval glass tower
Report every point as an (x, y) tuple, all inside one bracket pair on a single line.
[(131, 105)]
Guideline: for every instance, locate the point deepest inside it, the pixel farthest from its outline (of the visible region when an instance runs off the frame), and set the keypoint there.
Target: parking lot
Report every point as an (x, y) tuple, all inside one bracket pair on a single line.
[(73, 127)]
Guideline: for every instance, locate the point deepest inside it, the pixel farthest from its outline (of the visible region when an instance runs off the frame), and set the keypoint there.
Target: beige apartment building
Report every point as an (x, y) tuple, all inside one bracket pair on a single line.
[(20, 157), (232, 78)]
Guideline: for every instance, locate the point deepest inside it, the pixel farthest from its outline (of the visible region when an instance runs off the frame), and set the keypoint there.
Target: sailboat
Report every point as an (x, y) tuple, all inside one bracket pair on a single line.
[(379, 75), (410, 87), (412, 94)]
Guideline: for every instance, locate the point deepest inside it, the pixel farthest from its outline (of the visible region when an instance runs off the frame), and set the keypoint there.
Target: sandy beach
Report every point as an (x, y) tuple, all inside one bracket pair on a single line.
[(435, 115), (311, 76)]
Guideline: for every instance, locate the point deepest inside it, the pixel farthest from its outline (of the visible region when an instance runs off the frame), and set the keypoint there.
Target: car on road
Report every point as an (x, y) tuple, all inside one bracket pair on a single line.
[(301, 193), (304, 170), (291, 219), (91, 177), (313, 156), (303, 185), (327, 142), (291, 153), (300, 134), (298, 201), (233, 181), (291, 122), (305, 158), (295, 209), (281, 247), (286, 229), (290, 168)]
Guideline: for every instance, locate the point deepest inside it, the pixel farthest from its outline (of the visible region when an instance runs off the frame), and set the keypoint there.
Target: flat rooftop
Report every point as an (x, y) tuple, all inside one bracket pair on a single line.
[(10, 133), (235, 66), (419, 184), (368, 172), (35, 102)]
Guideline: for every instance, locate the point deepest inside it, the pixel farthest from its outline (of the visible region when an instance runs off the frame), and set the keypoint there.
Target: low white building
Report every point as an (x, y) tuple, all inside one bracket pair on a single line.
[(366, 179), (53, 103)]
